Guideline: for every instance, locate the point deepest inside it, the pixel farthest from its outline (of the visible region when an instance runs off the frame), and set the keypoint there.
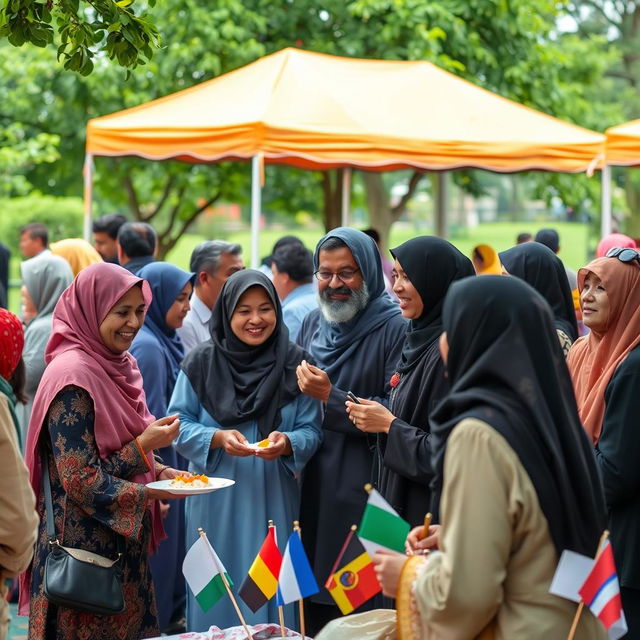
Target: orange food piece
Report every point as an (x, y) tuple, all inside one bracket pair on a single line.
[(190, 479), (264, 443)]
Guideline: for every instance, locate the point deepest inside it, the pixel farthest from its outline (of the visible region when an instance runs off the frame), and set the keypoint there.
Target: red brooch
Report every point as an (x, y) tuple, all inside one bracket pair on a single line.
[(395, 380)]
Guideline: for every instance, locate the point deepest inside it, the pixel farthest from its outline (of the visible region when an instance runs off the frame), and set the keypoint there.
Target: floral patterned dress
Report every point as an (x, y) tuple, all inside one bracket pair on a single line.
[(92, 502)]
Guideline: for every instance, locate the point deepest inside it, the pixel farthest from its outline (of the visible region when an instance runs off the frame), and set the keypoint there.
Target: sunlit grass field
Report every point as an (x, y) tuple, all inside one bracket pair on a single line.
[(502, 235), (574, 243)]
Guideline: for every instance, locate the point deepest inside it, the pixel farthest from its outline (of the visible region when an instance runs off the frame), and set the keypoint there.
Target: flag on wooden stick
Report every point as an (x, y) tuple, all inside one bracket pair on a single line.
[(381, 528), (296, 580), (261, 583), (353, 579)]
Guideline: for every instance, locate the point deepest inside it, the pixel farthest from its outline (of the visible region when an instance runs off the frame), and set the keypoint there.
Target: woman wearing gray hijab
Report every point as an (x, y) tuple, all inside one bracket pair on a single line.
[(44, 278)]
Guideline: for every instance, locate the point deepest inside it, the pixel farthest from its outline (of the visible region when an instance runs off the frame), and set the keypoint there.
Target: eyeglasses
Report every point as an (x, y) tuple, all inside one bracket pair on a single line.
[(624, 255), (346, 275)]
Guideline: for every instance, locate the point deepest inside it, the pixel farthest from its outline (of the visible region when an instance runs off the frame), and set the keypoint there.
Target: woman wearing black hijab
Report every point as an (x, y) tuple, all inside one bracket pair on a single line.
[(518, 476), (537, 265), (425, 267), (235, 390)]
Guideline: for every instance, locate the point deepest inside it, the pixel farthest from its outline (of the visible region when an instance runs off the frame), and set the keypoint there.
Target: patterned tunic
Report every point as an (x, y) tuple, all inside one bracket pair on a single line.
[(99, 502)]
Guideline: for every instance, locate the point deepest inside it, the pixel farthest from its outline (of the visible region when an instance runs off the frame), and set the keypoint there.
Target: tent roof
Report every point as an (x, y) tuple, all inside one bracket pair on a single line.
[(623, 143), (318, 111)]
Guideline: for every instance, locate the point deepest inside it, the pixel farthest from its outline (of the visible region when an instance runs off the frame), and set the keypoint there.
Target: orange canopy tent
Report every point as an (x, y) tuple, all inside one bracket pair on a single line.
[(623, 144), (318, 111)]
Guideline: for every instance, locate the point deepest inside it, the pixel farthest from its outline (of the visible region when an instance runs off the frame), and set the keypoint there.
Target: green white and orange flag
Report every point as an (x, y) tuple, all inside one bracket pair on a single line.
[(261, 583), (381, 528), (203, 572)]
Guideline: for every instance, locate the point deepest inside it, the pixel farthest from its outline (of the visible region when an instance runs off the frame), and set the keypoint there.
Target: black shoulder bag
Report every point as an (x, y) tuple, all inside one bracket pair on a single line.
[(79, 579)]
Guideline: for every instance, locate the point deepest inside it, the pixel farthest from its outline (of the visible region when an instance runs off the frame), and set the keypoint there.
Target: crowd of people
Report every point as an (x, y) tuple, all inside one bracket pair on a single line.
[(496, 391)]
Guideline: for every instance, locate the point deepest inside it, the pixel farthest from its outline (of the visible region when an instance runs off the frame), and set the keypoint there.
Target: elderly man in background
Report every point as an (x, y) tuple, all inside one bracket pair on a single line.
[(292, 267), (355, 338), (105, 236), (213, 261), (137, 245)]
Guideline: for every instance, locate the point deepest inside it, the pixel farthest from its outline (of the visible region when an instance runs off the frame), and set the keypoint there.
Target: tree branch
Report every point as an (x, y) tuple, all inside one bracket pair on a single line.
[(167, 246), (174, 213), (132, 196), (163, 198), (398, 210)]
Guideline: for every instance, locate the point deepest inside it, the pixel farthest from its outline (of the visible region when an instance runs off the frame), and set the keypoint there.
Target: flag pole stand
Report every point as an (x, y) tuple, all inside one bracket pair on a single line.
[(303, 634), (228, 588), (576, 619), (281, 616)]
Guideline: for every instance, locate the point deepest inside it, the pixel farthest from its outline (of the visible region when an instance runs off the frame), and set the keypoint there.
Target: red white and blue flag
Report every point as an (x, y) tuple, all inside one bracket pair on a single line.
[(601, 593)]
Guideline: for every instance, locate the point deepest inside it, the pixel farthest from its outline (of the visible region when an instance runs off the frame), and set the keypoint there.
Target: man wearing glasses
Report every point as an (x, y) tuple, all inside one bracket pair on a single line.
[(355, 338)]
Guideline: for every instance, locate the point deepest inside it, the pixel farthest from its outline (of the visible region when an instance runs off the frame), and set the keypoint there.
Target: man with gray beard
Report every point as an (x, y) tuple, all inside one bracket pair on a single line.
[(355, 338)]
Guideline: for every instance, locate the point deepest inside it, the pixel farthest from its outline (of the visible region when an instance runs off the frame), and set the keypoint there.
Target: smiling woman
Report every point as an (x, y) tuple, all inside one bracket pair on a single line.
[(92, 429), (239, 388), (605, 367)]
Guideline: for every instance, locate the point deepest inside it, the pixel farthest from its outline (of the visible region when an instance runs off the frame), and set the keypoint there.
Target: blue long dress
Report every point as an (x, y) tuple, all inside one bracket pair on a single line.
[(235, 519)]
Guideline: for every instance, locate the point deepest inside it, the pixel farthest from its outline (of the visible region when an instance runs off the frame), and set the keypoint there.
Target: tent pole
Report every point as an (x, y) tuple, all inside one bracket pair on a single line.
[(605, 207), (87, 174), (441, 204), (346, 195), (256, 196)]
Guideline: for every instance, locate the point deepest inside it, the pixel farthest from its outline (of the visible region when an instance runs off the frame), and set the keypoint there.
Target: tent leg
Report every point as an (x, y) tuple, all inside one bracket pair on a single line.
[(441, 204), (605, 207), (256, 197), (346, 195), (88, 196)]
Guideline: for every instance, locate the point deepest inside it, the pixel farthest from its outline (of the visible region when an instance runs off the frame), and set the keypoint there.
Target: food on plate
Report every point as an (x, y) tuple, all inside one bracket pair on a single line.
[(190, 482)]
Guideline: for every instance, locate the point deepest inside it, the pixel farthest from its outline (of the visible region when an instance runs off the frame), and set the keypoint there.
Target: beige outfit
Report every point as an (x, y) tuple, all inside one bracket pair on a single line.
[(497, 558), (18, 518)]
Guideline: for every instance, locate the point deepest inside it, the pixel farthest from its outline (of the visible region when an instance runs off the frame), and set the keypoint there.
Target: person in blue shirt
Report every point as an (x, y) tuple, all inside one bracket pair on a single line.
[(234, 390), (159, 352), (292, 267)]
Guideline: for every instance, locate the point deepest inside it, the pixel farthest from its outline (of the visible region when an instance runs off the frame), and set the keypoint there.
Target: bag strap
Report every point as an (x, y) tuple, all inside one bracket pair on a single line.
[(48, 503)]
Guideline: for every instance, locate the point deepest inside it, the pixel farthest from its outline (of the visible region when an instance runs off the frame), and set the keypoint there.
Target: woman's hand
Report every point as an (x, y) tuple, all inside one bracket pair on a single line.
[(415, 546), (313, 381), (168, 473), (232, 441), (159, 494), (281, 446), (160, 433), (370, 416), (388, 567)]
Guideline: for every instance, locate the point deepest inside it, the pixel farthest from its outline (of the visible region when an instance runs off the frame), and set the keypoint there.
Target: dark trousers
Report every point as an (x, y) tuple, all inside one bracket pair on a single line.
[(631, 606)]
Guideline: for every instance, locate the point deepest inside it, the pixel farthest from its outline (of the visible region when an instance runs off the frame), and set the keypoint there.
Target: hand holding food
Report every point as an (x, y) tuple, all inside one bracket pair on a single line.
[(276, 445), (160, 433), (232, 441)]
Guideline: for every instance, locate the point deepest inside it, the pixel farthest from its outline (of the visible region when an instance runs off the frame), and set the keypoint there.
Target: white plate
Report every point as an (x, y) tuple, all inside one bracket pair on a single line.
[(214, 485)]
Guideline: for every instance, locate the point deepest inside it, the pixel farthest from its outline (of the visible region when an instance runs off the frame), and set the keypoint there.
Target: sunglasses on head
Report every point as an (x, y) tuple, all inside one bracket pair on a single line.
[(624, 255)]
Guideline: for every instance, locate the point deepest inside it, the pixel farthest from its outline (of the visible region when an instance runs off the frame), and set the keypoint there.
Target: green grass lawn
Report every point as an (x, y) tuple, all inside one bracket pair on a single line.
[(500, 235)]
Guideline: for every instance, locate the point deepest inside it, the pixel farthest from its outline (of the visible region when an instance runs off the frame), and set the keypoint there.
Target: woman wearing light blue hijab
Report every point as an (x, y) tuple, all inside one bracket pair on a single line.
[(44, 278), (159, 352)]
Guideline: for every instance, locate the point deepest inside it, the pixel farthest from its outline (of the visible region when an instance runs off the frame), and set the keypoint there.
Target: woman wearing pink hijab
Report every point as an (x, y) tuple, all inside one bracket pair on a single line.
[(90, 425), (612, 240)]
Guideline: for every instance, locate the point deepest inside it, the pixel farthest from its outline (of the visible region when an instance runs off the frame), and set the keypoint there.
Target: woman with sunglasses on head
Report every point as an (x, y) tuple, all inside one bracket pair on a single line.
[(605, 368)]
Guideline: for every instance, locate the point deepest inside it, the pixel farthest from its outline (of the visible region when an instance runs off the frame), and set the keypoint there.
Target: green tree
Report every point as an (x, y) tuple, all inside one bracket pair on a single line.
[(82, 30), (509, 47)]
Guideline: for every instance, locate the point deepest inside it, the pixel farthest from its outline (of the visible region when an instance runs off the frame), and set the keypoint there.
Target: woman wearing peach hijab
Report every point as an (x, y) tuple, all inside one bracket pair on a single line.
[(77, 252), (605, 368)]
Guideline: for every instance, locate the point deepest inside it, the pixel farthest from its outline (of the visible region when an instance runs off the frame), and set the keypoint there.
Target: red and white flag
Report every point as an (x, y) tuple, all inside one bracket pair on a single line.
[(601, 593)]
